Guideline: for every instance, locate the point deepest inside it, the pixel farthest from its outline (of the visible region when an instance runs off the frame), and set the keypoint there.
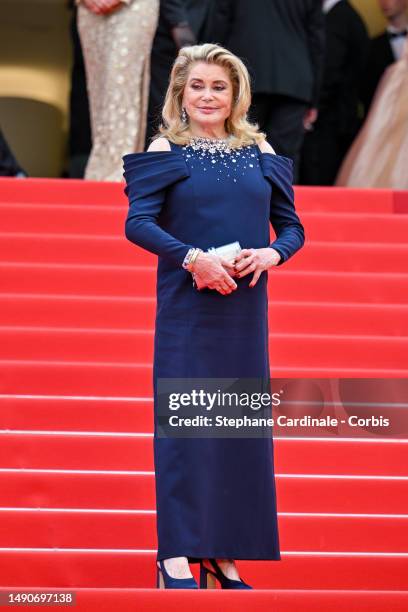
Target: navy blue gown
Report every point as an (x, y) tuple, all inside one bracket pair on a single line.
[(215, 497)]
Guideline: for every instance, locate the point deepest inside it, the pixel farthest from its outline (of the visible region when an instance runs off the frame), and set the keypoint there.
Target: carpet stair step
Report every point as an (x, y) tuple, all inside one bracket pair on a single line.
[(136, 345), (290, 317), (140, 281), (70, 451), (110, 221), (41, 528), (86, 414), (354, 227), (33, 377), (79, 193), (135, 414), (65, 218), (281, 600), (352, 257), (124, 569), (74, 192), (75, 249), (305, 493)]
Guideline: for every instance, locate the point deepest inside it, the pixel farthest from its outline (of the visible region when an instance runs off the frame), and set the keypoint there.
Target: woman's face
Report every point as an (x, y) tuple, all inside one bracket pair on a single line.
[(208, 95)]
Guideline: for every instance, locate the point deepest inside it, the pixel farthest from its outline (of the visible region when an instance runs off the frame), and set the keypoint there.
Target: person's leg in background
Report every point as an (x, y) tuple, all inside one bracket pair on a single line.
[(79, 141), (321, 155), (259, 111), (281, 118), (324, 149), (159, 79), (9, 166), (116, 51)]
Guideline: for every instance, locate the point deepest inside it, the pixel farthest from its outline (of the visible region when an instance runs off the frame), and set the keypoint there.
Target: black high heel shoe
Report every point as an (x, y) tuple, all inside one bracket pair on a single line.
[(164, 580), (208, 577)]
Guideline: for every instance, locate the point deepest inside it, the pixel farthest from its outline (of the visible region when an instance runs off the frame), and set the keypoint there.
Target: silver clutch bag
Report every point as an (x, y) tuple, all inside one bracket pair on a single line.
[(226, 251)]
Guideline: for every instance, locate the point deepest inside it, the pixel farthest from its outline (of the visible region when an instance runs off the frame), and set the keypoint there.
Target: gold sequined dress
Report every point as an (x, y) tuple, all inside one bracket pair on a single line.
[(378, 157), (116, 49)]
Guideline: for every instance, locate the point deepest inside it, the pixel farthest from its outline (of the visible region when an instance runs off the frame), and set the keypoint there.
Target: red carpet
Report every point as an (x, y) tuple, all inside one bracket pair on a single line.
[(76, 465)]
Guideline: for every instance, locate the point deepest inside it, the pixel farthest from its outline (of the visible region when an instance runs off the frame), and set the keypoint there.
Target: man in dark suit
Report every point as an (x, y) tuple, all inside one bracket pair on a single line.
[(347, 46), (282, 44), (387, 47), (181, 22)]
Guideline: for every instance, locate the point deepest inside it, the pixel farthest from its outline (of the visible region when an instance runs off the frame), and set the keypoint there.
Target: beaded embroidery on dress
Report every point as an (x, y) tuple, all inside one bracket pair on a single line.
[(217, 156)]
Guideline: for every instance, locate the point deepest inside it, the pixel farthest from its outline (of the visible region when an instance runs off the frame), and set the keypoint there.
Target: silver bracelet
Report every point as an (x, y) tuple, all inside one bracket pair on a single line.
[(190, 258)]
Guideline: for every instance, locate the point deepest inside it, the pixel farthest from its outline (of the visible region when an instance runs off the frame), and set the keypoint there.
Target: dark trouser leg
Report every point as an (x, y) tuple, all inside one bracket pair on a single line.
[(322, 153), (159, 79), (9, 166), (80, 141), (259, 111), (281, 118)]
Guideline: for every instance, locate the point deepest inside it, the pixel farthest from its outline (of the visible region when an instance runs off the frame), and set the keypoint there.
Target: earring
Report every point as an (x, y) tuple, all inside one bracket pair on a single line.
[(184, 116)]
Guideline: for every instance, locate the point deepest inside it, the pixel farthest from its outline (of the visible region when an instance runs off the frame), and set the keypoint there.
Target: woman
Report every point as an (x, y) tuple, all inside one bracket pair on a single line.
[(209, 180), (378, 158), (116, 38)]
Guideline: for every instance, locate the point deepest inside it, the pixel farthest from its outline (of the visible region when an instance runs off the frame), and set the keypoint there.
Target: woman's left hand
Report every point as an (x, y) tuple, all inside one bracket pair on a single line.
[(256, 261)]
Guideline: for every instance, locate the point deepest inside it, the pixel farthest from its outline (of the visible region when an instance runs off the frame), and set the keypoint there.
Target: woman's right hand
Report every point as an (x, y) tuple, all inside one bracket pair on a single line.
[(211, 271)]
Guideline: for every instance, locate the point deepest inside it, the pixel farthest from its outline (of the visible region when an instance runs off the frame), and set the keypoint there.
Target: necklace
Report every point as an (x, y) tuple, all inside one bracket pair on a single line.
[(212, 145)]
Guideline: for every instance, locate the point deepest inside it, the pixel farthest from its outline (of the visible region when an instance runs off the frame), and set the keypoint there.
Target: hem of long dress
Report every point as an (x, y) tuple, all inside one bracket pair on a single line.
[(217, 555)]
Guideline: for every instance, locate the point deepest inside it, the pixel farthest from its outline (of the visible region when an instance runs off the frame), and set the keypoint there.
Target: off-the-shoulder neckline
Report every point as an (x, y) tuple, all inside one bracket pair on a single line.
[(178, 153)]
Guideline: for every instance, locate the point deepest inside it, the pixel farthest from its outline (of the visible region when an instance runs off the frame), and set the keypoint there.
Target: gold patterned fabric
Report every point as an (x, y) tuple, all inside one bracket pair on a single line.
[(116, 49), (378, 157)]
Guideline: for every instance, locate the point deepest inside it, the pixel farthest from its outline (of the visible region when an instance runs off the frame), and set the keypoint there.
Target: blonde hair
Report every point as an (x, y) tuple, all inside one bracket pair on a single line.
[(240, 130)]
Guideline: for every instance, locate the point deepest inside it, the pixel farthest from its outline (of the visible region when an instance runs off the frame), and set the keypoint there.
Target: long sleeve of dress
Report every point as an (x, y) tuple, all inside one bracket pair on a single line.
[(147, 177), (290, 235)]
